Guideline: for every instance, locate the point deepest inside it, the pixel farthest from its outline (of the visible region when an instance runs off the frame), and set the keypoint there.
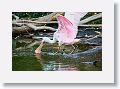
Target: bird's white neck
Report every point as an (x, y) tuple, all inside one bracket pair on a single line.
[(48, 40)]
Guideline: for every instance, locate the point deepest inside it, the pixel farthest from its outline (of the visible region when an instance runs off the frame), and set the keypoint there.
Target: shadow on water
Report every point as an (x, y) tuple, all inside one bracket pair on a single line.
[(26, 60)]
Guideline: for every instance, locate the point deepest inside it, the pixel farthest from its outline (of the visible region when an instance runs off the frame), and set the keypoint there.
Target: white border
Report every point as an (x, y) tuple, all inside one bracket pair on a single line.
[(104, 76)]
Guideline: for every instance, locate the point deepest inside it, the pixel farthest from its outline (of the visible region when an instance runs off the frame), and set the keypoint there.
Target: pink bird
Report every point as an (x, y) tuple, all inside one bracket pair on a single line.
[(67, 30)]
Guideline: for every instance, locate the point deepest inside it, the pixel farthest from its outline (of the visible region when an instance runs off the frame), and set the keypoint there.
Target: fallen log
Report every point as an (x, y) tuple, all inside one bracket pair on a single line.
[(40, 28), (90, 25), (50, 17), (40, 20), (31, 27), (16, 17), (52, 22), (26, 25), (23, 22), (21, 30), (91, 18)]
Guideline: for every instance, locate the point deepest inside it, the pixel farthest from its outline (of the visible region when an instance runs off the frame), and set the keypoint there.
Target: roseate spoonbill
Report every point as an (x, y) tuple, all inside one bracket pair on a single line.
[(67, 30)]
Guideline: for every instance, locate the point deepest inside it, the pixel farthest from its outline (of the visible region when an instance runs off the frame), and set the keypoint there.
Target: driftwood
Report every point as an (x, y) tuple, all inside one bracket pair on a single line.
[(27, 25), (91, 18), (29, 28), (40, 23), (40, 28), (40, 20), (23, 22), (16, 17), (50, 17), (90, 25)]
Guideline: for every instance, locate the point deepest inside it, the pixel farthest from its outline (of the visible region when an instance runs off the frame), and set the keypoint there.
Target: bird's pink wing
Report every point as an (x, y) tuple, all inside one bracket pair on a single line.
[(65, 30)]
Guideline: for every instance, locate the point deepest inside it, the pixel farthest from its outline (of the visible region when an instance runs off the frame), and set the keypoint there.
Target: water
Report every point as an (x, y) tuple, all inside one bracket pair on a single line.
[(24, 59)]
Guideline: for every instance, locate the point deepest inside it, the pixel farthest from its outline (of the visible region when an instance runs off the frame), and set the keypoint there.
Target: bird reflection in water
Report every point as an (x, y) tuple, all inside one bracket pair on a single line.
[(54, 65)]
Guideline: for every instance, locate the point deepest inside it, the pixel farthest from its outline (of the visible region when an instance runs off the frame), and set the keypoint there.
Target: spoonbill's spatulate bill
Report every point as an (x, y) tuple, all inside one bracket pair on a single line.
[(67, 30)]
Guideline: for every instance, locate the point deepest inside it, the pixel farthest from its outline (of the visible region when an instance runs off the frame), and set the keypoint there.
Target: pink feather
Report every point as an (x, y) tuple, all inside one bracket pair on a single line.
[(66, 32)]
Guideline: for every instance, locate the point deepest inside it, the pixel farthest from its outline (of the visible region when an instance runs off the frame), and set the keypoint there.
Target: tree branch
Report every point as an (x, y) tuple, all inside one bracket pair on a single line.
[(40, 28), (91, 18)]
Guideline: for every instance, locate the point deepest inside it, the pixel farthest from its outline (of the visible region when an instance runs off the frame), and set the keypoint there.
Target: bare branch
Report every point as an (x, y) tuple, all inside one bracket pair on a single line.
[(16, 17), (50, 17), (40, 28), (91, 18)]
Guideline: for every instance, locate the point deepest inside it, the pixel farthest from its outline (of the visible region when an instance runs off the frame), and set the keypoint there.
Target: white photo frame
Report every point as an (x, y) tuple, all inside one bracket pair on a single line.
[(104, 76)]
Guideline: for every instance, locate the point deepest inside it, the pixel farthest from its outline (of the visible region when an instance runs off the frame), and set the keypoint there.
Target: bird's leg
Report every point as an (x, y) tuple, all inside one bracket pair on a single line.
[(38, 50), (59, 48), (63, 50), (73, 49), (76, 47)]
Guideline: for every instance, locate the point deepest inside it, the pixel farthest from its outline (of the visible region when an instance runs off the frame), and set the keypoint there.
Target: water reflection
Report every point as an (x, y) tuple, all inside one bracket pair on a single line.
[(54, 65), (24, 59)]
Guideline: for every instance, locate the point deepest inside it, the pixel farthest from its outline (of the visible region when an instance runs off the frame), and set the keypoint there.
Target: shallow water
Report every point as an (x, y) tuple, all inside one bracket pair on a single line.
[(26, 60)]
